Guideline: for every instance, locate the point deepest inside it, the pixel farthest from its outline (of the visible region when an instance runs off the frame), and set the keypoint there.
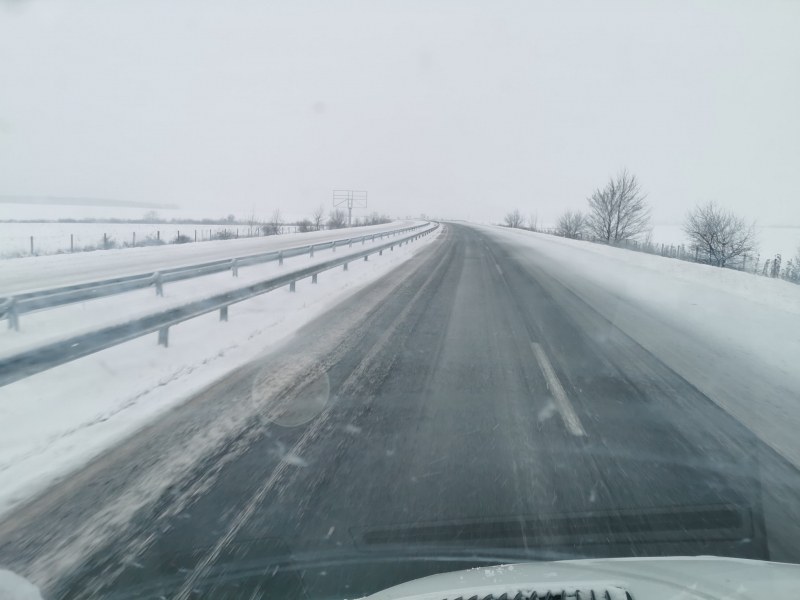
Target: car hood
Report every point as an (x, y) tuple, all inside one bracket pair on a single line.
[(705, 577)]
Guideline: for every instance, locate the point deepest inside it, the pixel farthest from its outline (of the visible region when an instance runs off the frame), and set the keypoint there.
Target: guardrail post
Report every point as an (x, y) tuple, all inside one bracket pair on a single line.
[(366, 258), (351, 242), (12, 315), (311, 253), (31, 245), (72, 242), (163, 337), (158, 282), (280, 257), (292, 287), (380, 253), (223, 313), (234, 269), (391, 248), (314, 278), (344, 267)]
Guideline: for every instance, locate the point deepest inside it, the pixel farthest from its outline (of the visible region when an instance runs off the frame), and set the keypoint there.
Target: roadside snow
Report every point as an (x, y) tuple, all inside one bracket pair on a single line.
[(733, 335), (55, 421)]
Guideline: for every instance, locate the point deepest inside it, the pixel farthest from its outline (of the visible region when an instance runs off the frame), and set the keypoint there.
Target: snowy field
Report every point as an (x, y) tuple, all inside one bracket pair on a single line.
[(733, 335), (114, 392), (55, 238)]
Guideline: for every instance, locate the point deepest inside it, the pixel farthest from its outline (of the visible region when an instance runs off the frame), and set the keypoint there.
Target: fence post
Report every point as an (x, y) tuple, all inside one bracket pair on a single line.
[(158, 235), (72, 242), (134, 239), (31, 245), (195, 235), (163, 336), (223, 313)]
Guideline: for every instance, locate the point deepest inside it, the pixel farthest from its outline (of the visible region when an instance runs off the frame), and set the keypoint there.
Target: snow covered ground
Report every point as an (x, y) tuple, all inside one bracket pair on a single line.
[(54, 238), (57, 420), (734, 336)]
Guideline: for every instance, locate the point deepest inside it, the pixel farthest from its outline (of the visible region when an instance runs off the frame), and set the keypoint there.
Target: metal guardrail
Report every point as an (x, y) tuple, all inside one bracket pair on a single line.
[(51, 355), (12, 307)]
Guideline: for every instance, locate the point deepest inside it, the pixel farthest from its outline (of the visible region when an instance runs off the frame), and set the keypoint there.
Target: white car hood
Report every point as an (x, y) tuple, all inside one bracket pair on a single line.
[(675, 578)]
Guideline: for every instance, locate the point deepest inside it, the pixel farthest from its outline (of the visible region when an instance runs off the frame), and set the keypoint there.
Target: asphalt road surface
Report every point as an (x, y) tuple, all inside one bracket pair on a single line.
[(465, 410)]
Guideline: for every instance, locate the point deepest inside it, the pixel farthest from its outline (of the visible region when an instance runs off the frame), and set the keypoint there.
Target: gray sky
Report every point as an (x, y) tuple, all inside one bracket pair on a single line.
[(456, 109)]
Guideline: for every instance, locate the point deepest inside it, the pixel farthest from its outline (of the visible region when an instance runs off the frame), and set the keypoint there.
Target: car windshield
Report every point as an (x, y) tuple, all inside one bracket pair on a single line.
[(309, 299)]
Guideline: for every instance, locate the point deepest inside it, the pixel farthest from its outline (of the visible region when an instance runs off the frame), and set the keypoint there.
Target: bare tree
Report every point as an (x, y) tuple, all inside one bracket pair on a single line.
[(337, 219), (514, 218), (533, 221), (252, 223), (273, 226), (618, 211), (718, 235), (571, 224), (318, 216)]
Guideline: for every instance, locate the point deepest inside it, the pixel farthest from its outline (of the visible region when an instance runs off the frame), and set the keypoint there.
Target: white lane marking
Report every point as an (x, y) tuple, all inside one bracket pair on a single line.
[(499, 270), (571, 420)]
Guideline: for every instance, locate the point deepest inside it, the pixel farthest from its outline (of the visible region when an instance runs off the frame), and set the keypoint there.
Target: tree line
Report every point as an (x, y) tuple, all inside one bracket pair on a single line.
[(618, 212)]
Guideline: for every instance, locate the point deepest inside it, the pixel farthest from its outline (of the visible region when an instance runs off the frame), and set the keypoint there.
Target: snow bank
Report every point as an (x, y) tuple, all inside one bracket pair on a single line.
[(56, 421), (734, 336)]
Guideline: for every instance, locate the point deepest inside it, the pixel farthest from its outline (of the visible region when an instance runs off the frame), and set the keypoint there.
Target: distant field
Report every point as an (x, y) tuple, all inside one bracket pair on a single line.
[(52, 238)]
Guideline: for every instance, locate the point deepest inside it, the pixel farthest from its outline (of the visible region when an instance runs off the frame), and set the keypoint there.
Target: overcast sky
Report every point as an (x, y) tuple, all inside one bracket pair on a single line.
[(455, 109)]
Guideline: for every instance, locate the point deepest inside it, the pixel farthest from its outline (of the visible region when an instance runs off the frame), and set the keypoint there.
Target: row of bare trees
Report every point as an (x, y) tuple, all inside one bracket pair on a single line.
[(618, 212), (337, 219)]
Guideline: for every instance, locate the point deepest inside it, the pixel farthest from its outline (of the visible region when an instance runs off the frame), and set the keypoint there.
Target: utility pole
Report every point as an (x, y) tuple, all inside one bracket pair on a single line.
[(352, 199)]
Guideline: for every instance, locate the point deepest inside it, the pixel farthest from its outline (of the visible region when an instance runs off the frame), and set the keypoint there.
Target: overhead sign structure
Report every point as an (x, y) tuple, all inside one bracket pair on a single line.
[(352, 199)]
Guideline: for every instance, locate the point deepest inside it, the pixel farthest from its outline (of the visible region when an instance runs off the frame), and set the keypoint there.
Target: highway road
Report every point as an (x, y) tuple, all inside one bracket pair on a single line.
[(43, 272), (464, 410)]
